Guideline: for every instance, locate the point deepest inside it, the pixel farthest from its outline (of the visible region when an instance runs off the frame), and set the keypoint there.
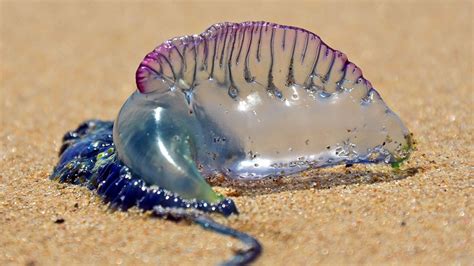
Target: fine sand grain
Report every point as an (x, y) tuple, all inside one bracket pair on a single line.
[(63, 63)]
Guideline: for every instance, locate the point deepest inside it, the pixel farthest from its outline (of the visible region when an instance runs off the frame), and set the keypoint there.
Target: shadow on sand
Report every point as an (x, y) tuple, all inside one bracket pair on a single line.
[(323, 178)]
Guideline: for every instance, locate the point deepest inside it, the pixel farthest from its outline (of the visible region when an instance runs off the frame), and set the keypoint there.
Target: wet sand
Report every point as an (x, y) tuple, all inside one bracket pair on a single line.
[(63, 63)]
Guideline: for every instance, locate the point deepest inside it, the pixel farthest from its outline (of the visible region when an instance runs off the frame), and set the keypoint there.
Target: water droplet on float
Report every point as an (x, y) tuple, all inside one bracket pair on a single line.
[(324, 94), (233, 92)]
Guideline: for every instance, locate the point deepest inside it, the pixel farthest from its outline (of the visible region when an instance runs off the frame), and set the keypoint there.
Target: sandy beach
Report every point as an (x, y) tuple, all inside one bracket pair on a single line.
[(62, 63)]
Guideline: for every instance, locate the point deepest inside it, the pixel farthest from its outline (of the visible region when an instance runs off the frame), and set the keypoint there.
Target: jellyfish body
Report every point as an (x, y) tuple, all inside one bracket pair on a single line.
[(251, 100), (245, 100)]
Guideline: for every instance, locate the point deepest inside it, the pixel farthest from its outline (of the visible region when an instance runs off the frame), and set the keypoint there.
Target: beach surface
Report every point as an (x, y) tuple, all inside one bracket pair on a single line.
[(62, 63)]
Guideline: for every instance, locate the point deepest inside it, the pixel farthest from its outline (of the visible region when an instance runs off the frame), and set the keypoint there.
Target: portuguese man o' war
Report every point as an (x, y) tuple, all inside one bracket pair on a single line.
[(245, 100)]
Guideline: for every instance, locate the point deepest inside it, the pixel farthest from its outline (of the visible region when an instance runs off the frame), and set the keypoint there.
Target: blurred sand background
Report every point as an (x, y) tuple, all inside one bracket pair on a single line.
[(62, 63)]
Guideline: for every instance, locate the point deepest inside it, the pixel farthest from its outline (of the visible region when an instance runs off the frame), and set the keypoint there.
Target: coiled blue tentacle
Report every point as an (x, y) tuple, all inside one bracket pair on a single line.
[(242, 257), (87, 157)]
